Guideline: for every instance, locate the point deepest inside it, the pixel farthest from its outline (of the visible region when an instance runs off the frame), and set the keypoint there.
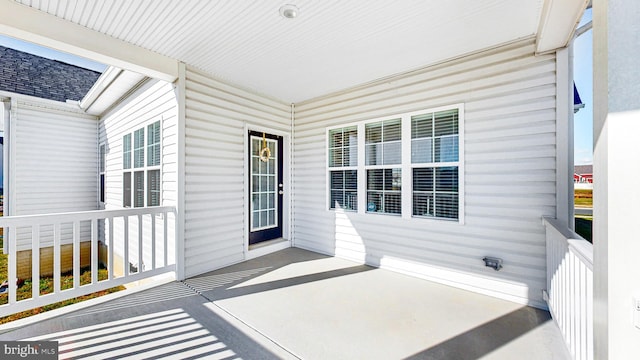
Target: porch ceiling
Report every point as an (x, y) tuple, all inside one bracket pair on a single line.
[(330, 46)]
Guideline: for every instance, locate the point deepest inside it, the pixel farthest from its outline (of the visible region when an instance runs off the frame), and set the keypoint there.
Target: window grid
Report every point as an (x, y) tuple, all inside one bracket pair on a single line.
[(142, 187), (428, 150), (344, 189), (126, 151), (383, 142), (435, 164), (138, 148), (342, 163), (384, 191)]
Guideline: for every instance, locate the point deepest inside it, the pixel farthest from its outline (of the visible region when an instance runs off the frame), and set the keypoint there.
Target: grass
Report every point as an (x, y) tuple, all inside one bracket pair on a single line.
[(46, 287), (583, 198), (584, 223)]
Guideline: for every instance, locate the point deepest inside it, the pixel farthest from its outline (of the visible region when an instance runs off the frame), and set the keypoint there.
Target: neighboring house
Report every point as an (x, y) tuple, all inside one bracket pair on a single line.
[(49, 148), (57, 111), (583, 174), (400, 149)]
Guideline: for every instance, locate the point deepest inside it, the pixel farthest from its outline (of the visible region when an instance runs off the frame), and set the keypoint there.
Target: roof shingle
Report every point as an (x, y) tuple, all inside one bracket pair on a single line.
[(28, 74)]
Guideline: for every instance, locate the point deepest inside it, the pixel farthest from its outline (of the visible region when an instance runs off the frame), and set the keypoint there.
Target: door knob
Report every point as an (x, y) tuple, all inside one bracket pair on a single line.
[(280, 192)]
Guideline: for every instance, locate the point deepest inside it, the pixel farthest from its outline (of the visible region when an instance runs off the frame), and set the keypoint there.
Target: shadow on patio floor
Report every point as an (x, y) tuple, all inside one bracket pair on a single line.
[(299, 304)]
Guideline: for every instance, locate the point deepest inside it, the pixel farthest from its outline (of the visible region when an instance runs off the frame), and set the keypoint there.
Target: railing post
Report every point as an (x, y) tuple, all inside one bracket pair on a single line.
[(140, 244), (76, 254), (94, 251), (165, 238), (153, 241), (110, 247), (126, 245), (56, 257), (13, 266), (35, 261)]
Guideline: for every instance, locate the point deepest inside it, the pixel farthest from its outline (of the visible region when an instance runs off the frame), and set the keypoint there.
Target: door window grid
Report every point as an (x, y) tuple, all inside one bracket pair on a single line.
[(263, 186)]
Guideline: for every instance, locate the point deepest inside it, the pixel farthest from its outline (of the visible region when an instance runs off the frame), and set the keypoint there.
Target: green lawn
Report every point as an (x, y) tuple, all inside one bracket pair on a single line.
[(583, 198)]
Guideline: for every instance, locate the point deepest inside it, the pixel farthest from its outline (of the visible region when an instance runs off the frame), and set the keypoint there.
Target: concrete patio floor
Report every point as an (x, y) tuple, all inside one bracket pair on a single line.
[(299, 304)]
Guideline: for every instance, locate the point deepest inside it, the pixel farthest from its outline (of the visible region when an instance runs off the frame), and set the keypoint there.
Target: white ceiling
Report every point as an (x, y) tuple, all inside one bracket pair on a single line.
[(330, 46)]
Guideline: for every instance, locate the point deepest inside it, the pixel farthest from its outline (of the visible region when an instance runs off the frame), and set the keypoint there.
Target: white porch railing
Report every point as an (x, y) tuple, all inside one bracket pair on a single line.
[(137, 233), (570, 287)]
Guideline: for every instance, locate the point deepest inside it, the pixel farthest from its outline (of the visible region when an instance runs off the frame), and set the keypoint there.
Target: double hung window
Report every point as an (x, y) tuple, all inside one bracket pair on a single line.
[(383, 152), (140, 178), (343, 173), (411, 165)]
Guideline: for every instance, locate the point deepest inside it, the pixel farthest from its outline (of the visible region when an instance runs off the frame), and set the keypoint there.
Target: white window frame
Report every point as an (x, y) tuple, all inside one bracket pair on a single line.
[(145, 169), (406, 165), (342, 168)]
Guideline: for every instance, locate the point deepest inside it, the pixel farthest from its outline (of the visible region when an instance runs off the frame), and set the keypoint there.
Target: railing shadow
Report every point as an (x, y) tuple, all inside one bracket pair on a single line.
[(482, 340)]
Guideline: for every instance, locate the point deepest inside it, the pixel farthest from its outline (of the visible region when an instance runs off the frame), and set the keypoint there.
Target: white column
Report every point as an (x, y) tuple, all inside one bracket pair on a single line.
[(616, 172)]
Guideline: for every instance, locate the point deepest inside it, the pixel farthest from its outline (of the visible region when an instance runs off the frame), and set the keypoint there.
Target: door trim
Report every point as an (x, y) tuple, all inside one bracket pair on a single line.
[(286, 199)]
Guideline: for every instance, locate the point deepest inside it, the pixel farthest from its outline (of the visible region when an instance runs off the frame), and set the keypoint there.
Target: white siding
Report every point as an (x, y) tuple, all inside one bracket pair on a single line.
[(509, 174), (154, 101), (216, 115), (54, 166)]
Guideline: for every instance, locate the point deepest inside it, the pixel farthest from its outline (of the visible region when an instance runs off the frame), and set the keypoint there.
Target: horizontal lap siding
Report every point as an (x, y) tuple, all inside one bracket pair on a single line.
[(216, 115), (152, 102), (54, 167), (509, 172)]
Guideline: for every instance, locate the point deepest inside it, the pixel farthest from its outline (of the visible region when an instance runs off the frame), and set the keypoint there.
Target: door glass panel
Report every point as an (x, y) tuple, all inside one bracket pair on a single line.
[(263, 188)]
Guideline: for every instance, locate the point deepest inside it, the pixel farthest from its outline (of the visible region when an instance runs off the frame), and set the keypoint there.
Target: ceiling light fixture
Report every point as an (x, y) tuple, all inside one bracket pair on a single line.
[(289, 11)]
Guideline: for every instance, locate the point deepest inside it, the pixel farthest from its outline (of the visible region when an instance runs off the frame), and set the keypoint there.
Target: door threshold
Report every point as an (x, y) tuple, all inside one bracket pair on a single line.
[(267, 247)]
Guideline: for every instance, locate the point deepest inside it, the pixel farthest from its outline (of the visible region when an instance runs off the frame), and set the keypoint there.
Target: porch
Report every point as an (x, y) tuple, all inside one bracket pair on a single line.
[(299, 304)]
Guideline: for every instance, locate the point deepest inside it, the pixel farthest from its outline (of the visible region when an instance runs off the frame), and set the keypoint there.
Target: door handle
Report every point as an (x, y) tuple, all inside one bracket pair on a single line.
[(280, 192)]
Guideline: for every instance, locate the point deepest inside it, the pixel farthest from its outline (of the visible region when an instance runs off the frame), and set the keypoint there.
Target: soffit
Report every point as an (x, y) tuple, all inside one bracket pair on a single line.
[(330, 46)]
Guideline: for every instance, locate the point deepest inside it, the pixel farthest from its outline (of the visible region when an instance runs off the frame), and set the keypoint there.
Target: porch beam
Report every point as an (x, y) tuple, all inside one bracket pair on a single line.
[(28, 24), (557, 23)]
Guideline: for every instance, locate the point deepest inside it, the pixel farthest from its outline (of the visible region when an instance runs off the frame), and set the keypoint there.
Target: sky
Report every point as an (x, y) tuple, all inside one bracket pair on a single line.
[(583, 78)]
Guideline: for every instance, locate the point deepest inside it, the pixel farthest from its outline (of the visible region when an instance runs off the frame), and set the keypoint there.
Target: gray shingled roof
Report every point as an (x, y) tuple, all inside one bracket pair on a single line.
[(28, 74), (583, 169)]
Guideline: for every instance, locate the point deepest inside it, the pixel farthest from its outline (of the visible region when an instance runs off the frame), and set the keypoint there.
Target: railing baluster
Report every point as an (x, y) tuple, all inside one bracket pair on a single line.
[(110, 247), (140, 226), (76, 254), (165, 238), (126, 245), (153, 241), (94, 251), (13, 265), (35, 261), (56, 257)]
